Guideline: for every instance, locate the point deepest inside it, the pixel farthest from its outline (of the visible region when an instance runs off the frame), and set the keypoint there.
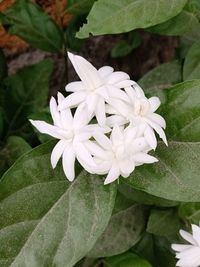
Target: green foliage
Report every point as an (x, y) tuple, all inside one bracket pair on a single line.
[(123, 231), (163, 222), (43, 220), (28, 21), (126, 260), (79, 7), (3, 66), (191, 68), (162, 76), (125, 47), (132, 14), (177, 25), (24, 93), (190, 212), (171, 179), (13, 149)]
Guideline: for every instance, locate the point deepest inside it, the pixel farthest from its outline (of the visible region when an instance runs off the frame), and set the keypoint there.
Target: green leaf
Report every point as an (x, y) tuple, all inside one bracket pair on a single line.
[(44, 219), (144, 198), (105, 16), (163, 222), (175, 176), (126, 260), (180, 107), (25, 93), (79, 7), (162, 76), (28, 21), (13, 149), (191, 68), (190, 212), (177, 25), (3, 66), (129, 223)]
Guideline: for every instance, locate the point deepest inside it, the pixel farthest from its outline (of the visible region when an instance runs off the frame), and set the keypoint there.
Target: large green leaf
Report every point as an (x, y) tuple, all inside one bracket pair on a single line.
[(79, 7), (126, 260), (175, 176), (191, 68), (163, 222), (105, 15), (162, 76), (25, 92), (180, 107), (45, 220), (123, 231), (14, 148), (31, 23), (177, 25)]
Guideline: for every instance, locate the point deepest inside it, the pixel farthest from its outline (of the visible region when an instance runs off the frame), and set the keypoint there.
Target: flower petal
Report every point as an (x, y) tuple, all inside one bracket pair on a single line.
[(73, 100), (159, 130), (138, 91), (115, 119), (117, 76), (117, 93), (102, 140), (68, 161), (81, 117), (188, 237), (86, 71), (196, 233), (157, 119), (105, 71), (74, 87), (113, 174), (124, 84), (46, 128), (144, 158), (57, 152), (83, 154), (100, 112), (95, 149), (180, 247), (116, 135), (54, 112), (150, 137), (154, 103)]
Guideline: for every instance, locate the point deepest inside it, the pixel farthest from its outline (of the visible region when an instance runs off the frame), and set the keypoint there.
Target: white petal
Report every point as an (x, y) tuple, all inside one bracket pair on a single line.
[(68, 163), (46, 128), (54, 112), (74, 87), (138, 91), (57, 152), (100, 112), (196, 233), (91, 102), (66, 118), (154, 103), (117, 93), (121, 107), (116, 135), (81, 117), (188, 237), (113, 174), (117, 76), (144, 158), (95, 149), (150, 137), (86, 71), (191, 258), (105, 71), (103, 140), (116, 119), (110, 109), (83, 154), (103, 92), (180, 247), (138, 145), (124, 84), (126, 167), (131, 94), (157, 119), (130, 133), (60, 98), (73, 100), (159, 130)]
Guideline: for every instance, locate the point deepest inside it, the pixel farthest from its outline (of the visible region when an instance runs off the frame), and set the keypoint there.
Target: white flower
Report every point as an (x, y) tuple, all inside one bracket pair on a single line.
[(95, 87), (189, 255), (120, 154), (138, 111), (73, 132)]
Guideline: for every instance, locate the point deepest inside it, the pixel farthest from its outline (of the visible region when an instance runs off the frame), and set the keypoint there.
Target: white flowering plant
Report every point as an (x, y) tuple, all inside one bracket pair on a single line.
[(101, 171)]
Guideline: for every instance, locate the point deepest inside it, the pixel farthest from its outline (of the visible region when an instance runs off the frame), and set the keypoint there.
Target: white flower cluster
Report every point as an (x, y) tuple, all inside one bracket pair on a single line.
[(125, 126), (189, 255)]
